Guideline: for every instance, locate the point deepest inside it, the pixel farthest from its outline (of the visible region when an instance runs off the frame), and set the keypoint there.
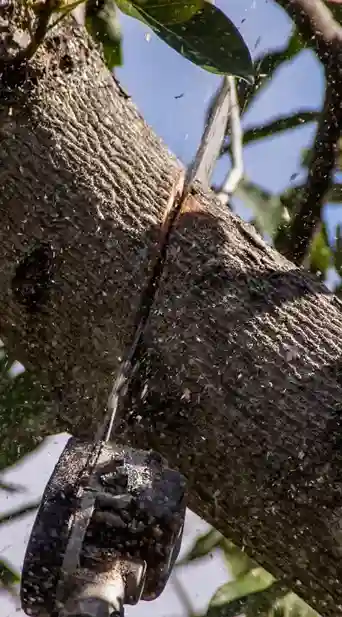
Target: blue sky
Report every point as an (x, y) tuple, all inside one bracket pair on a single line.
[(154, 75)]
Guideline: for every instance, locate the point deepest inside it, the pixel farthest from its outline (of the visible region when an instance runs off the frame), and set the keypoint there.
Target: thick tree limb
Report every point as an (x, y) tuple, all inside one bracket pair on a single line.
[(239, 383), (318, 27)]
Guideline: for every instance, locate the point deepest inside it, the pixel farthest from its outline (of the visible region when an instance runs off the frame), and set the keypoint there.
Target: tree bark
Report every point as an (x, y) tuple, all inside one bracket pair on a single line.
[(239, 383)]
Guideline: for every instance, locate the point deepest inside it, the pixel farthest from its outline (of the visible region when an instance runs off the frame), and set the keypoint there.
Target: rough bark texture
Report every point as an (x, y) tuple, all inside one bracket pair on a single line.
[(82, 171), (240, 379)]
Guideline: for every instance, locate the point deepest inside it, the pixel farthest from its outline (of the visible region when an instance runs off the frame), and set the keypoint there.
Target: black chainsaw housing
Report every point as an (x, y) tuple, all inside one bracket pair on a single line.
[(139, 510)]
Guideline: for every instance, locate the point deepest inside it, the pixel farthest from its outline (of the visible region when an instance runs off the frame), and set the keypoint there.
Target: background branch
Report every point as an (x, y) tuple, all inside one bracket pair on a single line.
[(318, 27), (9, 64), (320, 176)]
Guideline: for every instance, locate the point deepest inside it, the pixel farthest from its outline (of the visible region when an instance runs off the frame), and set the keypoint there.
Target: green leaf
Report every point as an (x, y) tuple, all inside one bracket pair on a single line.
[(320, 253), (285, 605), (237, 560), (8, 577), (169, 12), (294, 606), (22, 401), (62, 10), (269, 209), (266, 602), (278, 125), (103, 25), (203, 546), (265, 67), (208, 39), (251, 582), (256, 604), (234, 608), (291, 196), (66, 7), (267, 64)]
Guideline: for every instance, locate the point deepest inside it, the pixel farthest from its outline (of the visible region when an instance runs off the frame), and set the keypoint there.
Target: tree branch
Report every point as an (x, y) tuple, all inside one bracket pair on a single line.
[(318, 27), (239, 383), (320, 174), (10, 517), (13, 63)]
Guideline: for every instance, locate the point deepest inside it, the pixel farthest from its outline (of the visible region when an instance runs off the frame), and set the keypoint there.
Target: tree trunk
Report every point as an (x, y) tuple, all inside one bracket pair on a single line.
[(239, 384)]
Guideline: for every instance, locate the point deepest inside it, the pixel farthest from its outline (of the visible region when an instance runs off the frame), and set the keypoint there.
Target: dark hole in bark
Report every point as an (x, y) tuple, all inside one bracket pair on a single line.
[(66, 63), (34, 276)]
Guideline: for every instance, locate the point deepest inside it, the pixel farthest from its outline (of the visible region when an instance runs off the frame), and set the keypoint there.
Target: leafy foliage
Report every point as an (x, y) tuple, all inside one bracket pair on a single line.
[(21, 401), (103, 25), (320, 254), (266, 66), (280, 124), (272, 213), (167, 13), (269, 210), (196, 29), (203, 546), (8, 577), (200, 32), (250, 582), (253, 591)]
